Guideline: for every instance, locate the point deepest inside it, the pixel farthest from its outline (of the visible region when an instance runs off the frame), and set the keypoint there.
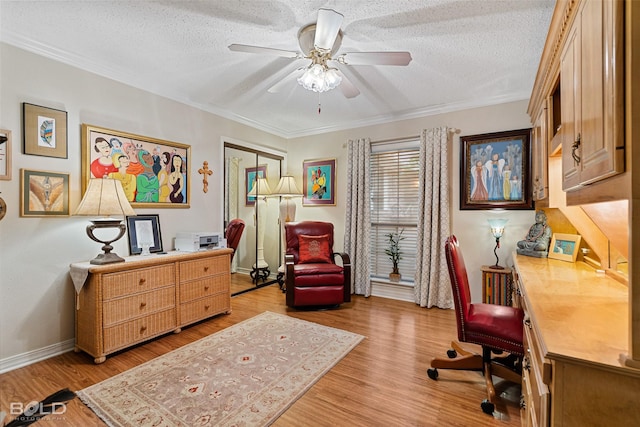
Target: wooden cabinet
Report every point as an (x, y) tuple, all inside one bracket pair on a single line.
[(539, 144), (126, 303), (592, 97), (575, 329), (497, 286)]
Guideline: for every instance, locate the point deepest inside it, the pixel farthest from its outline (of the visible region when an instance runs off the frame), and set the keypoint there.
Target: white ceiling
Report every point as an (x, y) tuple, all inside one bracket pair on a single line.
[(466, 53)]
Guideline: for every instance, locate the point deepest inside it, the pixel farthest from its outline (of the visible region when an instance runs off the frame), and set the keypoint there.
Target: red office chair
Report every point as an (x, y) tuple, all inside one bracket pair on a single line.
[(234, 233), (497, 328), (312, 276)]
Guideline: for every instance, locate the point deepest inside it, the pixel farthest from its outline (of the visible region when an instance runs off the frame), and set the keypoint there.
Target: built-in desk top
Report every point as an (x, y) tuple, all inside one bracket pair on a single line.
[(580, 314)]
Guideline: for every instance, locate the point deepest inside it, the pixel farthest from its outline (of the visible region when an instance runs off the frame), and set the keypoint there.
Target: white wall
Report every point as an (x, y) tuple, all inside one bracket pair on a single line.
[(470, 227), (36, 293)]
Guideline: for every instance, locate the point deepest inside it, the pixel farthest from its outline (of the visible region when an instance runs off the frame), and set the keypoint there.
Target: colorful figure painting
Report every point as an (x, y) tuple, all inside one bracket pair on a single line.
[(319, 182), (152, 172), (495, 171)]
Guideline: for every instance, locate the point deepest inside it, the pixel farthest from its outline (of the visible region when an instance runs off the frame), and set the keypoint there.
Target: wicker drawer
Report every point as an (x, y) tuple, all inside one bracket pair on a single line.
[(204, 307), (143, 279), (138, 305), (126, 334), (197, 269), (203, 288)]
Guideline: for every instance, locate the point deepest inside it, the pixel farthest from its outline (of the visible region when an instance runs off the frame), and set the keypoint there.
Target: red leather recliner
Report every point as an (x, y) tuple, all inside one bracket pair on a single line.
[(233, 234), (497, 328), (312, 276)]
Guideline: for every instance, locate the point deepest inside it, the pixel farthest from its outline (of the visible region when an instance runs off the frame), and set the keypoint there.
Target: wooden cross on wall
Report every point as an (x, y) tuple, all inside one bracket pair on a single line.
[(204, 170)]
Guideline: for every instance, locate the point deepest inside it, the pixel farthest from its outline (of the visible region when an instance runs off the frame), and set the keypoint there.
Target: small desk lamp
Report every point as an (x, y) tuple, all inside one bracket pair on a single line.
[(105, 197), (497, 229)]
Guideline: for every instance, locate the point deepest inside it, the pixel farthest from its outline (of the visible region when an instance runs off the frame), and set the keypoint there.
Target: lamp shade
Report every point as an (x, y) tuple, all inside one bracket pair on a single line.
[(497, 227), (104, 197), (260, 188), (286, 187)]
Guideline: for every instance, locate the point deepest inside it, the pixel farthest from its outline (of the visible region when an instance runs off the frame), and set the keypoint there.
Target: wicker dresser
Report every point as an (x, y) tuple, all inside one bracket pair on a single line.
[(122, 304)]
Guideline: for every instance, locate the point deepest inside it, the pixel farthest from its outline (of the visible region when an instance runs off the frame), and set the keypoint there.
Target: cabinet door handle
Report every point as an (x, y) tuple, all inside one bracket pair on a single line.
[(206, 269), (142, 281), (206, 288), (527, 323), (526, 363), (523, 402), (142, 329), (206, 307), (574, 148), (143, 305)]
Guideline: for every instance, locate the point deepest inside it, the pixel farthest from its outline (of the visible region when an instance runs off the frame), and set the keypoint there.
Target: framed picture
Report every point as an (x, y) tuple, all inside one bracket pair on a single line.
[(44, 131), (319, 182), (144, 230), (564, 247), (43, 193), (250, 176), (495, 171), (154, 173), (5, 154)]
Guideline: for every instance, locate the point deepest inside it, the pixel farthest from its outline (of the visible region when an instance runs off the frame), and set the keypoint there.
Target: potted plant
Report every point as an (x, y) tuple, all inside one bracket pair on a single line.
[(394, 253)]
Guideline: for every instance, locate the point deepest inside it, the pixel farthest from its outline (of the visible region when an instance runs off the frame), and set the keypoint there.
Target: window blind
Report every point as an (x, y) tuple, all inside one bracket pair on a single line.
[(394, 209)]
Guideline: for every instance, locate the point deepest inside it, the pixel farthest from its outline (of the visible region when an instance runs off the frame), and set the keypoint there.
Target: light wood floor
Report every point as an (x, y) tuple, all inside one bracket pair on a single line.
[(382, 382)]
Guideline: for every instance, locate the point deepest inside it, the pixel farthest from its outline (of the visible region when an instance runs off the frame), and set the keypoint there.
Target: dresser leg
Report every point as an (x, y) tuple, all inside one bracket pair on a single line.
[(99, 360)]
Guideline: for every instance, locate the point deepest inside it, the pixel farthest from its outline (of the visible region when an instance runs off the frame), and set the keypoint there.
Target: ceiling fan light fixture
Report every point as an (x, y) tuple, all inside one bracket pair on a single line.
[(319, 78)]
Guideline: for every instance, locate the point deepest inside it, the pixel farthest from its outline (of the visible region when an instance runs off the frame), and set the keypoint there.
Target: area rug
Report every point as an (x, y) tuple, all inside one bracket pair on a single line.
[(245, 375)]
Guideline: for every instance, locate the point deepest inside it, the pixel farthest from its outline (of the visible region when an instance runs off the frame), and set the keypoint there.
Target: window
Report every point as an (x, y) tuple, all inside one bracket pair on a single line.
[(394, 206)]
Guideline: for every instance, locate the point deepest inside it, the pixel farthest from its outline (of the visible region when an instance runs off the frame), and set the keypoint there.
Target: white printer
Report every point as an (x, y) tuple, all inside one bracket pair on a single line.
[(194, 241)]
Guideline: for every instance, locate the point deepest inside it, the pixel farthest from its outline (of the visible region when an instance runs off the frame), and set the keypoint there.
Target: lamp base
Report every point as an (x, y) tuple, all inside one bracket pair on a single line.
[(496, 267), (106, 258)]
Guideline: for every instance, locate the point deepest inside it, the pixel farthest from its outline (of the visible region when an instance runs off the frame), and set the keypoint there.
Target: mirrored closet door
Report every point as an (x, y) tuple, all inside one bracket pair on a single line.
[(250, 175)]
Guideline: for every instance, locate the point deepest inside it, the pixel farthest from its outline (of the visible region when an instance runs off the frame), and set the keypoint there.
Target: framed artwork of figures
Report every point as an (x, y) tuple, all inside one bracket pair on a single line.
[(154, 173), (495, 170), (319, 182)]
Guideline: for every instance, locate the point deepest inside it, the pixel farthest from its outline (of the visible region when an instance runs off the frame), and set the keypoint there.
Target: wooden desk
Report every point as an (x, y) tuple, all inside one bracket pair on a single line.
[(126, 303), (576, 328)]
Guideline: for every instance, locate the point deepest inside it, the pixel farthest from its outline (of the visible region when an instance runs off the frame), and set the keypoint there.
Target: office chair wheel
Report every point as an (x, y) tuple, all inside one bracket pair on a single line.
[(432, 373), (452, 354), (487, 407)]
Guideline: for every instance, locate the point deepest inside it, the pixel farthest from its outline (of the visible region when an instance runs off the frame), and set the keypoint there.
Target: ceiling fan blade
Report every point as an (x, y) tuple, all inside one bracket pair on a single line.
[(347, 88), (375, 58), (265, 50), (327, 28)]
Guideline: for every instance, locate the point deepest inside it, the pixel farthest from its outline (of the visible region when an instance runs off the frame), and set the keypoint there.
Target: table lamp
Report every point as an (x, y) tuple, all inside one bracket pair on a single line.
[(105, 197), (497, 229)]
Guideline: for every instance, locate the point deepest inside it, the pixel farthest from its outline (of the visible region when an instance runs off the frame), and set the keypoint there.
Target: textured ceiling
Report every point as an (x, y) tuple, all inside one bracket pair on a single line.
[(466, 53)]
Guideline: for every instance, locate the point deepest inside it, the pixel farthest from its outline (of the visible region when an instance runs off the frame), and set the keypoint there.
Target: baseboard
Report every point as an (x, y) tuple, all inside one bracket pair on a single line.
[(24, 359), (395, 291)]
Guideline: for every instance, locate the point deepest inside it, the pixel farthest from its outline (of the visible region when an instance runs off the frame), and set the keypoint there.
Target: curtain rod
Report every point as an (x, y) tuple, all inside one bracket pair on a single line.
[(408, 138)]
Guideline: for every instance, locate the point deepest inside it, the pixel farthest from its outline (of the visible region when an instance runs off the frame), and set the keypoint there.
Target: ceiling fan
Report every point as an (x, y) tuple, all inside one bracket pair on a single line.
[(320, 42)]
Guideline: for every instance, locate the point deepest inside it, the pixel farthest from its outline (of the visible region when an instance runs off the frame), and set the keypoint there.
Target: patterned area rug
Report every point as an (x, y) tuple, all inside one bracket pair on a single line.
[(245, 375)]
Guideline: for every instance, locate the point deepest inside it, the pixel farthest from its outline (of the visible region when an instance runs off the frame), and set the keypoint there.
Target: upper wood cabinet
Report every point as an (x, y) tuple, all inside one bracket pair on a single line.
[(592, 96), (539, 141)]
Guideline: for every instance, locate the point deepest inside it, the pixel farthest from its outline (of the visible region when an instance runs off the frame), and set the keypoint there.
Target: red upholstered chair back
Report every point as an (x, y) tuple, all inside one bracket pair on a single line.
[(234, 233), (309, 228), (459, 283)]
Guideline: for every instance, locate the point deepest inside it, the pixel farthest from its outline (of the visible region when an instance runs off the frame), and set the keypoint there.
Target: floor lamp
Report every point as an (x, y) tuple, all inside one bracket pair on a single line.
[(260, 190), (286, 190)]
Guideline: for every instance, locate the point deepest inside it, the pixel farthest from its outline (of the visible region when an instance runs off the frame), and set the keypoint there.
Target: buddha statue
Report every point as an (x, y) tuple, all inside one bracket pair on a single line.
[(536, 242)]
